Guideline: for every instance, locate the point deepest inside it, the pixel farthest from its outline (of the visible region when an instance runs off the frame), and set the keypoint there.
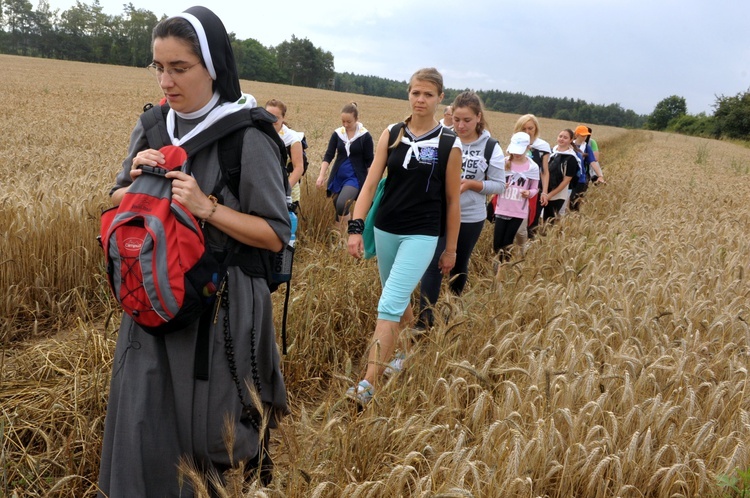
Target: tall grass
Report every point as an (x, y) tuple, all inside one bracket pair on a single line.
[(611, 360)]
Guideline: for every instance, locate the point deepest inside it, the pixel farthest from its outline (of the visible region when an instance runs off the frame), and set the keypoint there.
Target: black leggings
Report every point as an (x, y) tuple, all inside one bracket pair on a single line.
[(468, 235), (552, 208), (343, 200), (505, 233), (576, 195)]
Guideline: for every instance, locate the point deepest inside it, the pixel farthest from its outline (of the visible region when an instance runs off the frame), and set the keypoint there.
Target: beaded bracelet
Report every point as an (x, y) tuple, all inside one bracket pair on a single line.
[(356, 227), (215, 201)]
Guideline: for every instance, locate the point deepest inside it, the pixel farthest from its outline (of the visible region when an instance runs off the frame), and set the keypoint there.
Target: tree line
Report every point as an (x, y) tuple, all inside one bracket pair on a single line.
[(497, 100), (85, 33), (731, 117)]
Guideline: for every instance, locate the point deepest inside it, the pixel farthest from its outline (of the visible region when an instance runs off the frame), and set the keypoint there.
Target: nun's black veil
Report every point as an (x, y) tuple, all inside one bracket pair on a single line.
[(212, 32)]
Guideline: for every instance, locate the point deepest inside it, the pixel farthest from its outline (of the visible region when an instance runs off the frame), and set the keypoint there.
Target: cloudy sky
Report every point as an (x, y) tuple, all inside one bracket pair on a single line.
[(630, 52)]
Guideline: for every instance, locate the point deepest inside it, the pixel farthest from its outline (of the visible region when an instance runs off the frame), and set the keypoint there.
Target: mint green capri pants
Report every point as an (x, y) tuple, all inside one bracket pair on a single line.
[(402, 260)]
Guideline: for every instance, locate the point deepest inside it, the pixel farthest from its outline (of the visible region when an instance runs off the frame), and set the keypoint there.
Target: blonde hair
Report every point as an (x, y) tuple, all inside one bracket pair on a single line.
[(429, 75), (522, 122)]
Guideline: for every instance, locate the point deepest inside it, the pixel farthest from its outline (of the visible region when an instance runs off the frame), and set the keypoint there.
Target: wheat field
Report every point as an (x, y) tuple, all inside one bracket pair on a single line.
[(609, 361)]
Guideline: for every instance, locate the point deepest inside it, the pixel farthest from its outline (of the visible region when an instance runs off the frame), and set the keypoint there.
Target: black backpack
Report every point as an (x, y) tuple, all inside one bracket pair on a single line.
[(305, 160), (574, 180), (230, 132), (489, 148)]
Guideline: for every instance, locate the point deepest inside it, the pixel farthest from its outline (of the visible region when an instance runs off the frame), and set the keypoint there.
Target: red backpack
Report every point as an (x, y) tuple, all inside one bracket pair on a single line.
[(158, 266)]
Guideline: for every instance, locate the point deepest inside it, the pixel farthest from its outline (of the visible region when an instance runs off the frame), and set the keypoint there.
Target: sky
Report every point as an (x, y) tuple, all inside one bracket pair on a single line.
[(628, 52)]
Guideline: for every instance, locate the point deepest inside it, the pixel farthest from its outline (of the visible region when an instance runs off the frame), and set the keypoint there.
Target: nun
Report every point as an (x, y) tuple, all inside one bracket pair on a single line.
[(206, 396)]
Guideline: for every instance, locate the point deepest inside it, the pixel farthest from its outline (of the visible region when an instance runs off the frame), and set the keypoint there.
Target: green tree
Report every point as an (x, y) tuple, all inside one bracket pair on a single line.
[(303, 64), (564, 115), (732, 115), (255, 62), (665, 111), (100, 33), (75, 32), (18, 17), (699, 125), (136, 29), (47, 36)]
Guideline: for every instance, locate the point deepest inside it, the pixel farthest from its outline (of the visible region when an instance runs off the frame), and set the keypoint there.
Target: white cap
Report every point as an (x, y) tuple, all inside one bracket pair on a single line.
[(519, 142)]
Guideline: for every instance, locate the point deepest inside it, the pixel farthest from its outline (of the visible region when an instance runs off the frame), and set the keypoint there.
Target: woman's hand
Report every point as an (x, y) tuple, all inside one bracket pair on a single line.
[(186, 191), (148, 157), (356, 245), (447, 262), (544, 199), (600, 180), (322, 181)]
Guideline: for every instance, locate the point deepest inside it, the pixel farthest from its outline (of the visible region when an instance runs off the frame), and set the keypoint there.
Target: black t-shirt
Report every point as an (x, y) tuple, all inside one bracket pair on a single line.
[(560, 166), (538, 157), (412, 202)]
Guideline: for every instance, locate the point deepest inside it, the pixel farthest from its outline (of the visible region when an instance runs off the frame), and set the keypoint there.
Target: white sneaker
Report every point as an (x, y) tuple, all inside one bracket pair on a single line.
[(396, 365), (362, 393)]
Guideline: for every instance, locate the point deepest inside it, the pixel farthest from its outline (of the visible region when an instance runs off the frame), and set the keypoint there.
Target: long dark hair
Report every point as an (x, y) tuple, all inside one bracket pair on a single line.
[(472, 101)]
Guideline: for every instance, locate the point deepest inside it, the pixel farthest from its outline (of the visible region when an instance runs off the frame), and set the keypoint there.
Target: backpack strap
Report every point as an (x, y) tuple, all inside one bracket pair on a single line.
[(230, 161), (305, 160), (445, 144), (154, 123), (230, 132), (256, 117), (489, 148)]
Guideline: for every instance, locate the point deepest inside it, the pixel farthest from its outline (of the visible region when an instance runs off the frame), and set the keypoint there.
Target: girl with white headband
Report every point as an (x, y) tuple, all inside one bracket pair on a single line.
[(172, 397), (420, 202)]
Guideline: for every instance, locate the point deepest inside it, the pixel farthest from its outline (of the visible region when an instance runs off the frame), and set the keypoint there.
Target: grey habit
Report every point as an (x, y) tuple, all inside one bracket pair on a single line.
[(158, 412)]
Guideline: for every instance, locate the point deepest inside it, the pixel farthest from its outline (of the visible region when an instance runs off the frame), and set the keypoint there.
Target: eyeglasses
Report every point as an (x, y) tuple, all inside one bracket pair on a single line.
[(173, 72)]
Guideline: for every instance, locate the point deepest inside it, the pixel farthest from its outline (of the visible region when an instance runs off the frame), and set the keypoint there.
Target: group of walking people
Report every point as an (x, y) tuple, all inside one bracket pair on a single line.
[(431, 209), (434, 205)]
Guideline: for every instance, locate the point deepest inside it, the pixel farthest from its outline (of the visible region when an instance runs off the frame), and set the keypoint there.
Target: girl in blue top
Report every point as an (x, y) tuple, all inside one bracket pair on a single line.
[(353, 148)]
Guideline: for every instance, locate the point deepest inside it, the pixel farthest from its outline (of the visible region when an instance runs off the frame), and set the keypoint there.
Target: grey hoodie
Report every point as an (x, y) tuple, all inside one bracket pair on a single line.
[(475, 167)]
